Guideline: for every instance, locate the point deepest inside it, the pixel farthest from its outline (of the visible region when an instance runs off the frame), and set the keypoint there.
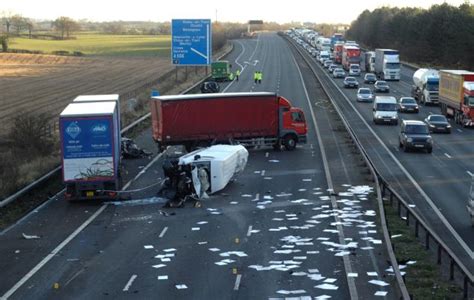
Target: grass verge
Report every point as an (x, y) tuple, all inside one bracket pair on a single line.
[(424, 279)]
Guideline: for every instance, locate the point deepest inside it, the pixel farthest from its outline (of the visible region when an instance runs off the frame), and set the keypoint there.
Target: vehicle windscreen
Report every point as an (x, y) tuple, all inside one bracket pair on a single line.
[(386, 107), (382, 83), (437, 119), (393, 65), (470, 101), (408, 101), (432, 87), (416, 129), (364, 91)]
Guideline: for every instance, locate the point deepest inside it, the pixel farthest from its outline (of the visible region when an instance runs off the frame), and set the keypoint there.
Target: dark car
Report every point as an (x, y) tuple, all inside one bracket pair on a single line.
[(415, 135), (407, 104), (370, 78), (210, 87), (438, 123), (381, 86), (350, 82)]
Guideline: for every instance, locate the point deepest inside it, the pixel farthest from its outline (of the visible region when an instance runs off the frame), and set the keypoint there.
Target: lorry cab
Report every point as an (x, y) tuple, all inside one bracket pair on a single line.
[(293, 127), (468, 103), (220, 70), (385, 110)]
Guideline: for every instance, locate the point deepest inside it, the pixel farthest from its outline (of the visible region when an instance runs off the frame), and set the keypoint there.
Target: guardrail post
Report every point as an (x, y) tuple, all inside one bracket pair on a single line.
[(417, 225), (399, 207), (451, 270), (408, 217), (465, 287), (440, 251), (427, 240), (383, 191)]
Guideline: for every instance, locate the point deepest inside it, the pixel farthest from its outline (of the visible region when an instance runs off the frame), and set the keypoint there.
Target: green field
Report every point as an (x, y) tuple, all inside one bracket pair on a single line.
[(101, 45)]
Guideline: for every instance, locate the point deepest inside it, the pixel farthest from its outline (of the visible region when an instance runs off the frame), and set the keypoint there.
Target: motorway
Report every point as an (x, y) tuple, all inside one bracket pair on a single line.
[(297, 224), (436, 184)]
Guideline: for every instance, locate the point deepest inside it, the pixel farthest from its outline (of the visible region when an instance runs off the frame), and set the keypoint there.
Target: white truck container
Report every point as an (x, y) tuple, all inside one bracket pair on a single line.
[(90, 148), (426, 86), (369, 61), (387, 64), (323, 44)]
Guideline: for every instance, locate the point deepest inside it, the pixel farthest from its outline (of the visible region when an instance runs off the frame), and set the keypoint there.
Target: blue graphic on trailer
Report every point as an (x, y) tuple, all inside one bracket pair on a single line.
[(191, 42), (86, 138)]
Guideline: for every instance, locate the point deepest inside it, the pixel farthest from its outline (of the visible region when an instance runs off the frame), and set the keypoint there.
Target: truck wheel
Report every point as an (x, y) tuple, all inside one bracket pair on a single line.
[(277, 146), (289, 142)]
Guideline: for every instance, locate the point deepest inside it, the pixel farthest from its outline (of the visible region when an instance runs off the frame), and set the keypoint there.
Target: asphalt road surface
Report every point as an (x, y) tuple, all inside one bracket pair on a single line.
[(439, 184), (294, 224)]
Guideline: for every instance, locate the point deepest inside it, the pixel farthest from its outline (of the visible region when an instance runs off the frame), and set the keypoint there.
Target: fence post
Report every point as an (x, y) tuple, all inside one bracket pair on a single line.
[(439, 253), (427, 239), (417, 225)]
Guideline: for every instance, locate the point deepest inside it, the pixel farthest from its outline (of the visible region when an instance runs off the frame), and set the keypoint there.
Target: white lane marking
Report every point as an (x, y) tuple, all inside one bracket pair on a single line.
[(447, 155), (460, 130), (130, 282), (448, 225), (347, 263), (52, 254), (162, 234), (65, 242), (237, 282), (470, 173), (243, 67), (249, 232)]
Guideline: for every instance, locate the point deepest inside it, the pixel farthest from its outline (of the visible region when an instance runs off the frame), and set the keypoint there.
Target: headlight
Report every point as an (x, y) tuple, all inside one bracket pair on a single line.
[(448, 126), (409, 140), (429, 140), (395, 117), (402, 106), (379, 117), (432, 126)]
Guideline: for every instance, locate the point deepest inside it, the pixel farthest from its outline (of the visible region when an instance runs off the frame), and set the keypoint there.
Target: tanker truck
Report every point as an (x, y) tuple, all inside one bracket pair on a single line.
[(426, 86), (456, 95)]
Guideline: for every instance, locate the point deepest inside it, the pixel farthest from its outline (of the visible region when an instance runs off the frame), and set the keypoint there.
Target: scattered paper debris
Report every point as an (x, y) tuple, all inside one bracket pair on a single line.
[(372, 274), (30, 237), (159, 266), (181, 286), (352, 275), (381, 293), (395, 236), (327, 286), (214, 249), (163, 277), (202, 243), (148, 247), (378, 282), (195, 228)]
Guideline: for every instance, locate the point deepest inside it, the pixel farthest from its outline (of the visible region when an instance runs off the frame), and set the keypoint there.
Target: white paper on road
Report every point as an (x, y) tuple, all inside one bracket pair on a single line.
[(279, 211), (202, 222), (316, 277), (202, 243), (165, 259), (159, 266), (214, 249), (30, 237), (378, 282), (163, 277), (381, 293), (352, 275), (374, 274), (330, 280), (327, 286), (323, 297), (246, 196), (195, 228), (411, 262), (181, 286), (236, 253), (148, 247), (299, 274), (301, 190), (234, 202), (267, 178), (307, 179)]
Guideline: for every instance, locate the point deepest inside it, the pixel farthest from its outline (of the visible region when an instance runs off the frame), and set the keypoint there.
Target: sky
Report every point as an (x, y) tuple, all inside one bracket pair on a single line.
[(325, 11)]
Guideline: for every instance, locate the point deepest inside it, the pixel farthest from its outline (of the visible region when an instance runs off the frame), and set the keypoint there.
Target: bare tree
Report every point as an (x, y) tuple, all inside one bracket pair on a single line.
[(30, 25), (19, 22), (66, 26)]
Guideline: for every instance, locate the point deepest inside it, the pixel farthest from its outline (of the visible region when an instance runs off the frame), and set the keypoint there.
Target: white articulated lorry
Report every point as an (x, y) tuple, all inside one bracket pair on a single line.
[(426, 86), (387, 64)]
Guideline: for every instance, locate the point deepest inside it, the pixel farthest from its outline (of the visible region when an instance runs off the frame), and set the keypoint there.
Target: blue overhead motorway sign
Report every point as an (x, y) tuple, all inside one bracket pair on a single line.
[(191, 42)]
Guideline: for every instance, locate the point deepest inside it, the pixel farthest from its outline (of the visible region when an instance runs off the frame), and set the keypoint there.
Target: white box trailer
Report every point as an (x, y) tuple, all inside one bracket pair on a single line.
[(90, 147), (103, 98)]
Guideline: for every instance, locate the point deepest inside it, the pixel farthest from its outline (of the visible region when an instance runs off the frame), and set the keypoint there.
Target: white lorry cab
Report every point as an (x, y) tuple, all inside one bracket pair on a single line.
[(385, 110)]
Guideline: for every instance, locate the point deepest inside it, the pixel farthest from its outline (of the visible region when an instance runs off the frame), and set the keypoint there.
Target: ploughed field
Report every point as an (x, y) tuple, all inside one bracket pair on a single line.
[(47, 83)]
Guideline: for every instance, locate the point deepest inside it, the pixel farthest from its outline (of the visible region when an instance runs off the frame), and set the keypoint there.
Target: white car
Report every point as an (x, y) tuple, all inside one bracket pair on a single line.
[(354, 70)]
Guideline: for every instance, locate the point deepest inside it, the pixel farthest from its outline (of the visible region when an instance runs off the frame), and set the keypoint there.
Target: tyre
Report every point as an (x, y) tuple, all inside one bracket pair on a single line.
[(289, 142), (429, 150), (405, 148)]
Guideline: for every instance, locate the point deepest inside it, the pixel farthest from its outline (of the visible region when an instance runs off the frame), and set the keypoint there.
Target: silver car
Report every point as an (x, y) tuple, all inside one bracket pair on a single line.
[(338, 73), (365, 95)]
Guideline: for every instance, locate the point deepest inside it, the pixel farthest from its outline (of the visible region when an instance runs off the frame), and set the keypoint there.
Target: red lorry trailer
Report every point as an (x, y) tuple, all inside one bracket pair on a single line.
[(456, 95), (247, 118), (338, 53), (350, 55)]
